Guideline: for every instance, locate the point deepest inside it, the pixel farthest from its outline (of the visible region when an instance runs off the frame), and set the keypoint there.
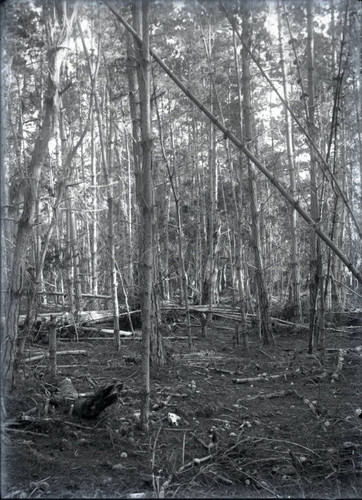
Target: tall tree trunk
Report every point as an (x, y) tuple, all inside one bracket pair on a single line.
[(248, 118), (295, 281), (110, 236), (134, 104), (239, 203), (146, 205), (57, 51), (5, 222), (94, 228), (315, 251)]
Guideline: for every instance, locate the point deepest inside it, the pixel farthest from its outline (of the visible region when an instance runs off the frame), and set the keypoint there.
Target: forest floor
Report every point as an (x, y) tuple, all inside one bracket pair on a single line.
[(295, 431)]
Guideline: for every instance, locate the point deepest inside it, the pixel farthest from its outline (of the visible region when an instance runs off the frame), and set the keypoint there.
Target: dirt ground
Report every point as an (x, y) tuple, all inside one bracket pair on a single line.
[(295, 431)]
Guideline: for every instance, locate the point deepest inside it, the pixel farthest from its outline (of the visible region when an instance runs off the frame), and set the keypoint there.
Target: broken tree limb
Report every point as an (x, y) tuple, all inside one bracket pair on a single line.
[(259, 378), (86, 295), (38, 357), (271, 395), (239, 144), (180, 338)]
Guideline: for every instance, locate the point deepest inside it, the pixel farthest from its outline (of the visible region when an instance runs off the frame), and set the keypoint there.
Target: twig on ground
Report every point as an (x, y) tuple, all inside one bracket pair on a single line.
[(22, 431), (200, 441), (265, 353)]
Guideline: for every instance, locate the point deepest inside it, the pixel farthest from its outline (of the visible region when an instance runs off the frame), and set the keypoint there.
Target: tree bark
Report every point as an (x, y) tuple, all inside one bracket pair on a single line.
[(315, 250), (146, 208)]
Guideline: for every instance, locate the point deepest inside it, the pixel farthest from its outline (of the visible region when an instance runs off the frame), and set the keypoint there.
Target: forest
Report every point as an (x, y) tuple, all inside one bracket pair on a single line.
[(181, 248)]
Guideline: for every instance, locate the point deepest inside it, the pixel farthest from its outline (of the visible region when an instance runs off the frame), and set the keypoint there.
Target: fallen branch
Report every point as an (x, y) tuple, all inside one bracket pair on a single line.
[(206, 446), (220, 478), (22, 431), (59, 353), (259, 378), (276, 394), (227, 372), (181, 338), (27, 418)]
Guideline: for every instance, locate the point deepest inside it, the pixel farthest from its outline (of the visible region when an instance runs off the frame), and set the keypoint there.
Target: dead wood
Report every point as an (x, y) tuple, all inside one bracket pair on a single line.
[(271, 395), (107, 338), (226, 372), (93, 406), (206, 446), (40, 420), (180, 338), (259, 378), (229, 313), (64, 294), (38, 357)]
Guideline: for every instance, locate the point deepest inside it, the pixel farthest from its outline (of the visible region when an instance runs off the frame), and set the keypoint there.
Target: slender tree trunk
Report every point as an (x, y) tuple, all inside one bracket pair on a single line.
[(56, 55), (94, 228), (146, 208), (130, 273), (134, 104), (295, 281), (5, 222), (111, 247), (248, 119), (239, 204), (315, 256)]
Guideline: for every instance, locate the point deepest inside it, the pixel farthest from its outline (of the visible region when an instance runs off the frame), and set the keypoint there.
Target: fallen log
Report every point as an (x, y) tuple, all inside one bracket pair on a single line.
[(180, 338), (85, 317), (108, 331), (228, 313), (87, 295), (59, 353), (87, 339)]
